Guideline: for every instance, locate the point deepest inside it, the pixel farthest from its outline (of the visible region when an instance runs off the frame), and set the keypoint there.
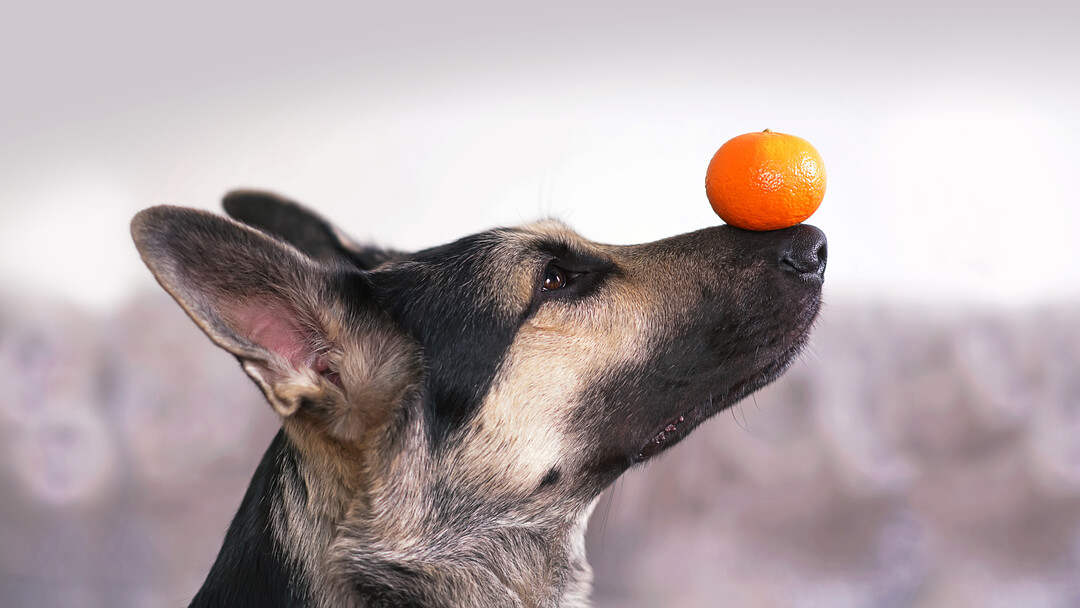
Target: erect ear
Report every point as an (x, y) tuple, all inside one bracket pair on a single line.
[(307, 332), (302, 227)]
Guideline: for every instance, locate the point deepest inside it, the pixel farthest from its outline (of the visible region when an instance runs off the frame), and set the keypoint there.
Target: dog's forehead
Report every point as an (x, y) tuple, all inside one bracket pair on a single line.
[(501, 266), (544, 236), (551, 229), (548, 238)]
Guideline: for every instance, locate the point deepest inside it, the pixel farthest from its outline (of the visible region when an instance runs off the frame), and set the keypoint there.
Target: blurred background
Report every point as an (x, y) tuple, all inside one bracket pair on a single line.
[(924, 452)]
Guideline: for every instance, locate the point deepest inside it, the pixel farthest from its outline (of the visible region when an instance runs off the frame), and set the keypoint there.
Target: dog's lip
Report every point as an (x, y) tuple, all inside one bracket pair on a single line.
[(679, 426)]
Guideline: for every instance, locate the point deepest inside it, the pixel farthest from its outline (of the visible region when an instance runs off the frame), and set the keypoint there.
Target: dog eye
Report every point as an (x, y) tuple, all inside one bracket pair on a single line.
[(554, 278)]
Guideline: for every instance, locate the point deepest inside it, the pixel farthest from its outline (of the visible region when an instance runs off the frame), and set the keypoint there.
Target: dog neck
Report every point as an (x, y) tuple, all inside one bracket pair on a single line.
[(508, 568), (420, 537), (293, 542)]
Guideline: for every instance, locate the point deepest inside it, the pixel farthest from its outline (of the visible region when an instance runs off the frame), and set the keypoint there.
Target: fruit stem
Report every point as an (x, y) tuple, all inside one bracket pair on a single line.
[(767, 131)]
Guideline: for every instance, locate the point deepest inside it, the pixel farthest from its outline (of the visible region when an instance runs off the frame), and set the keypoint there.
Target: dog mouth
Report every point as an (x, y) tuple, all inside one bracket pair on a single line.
[(678, 427)]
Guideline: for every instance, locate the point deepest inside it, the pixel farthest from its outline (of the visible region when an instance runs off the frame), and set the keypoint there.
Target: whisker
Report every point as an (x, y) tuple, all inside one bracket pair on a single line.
[(618, 494), (742, 426), (607, 512)]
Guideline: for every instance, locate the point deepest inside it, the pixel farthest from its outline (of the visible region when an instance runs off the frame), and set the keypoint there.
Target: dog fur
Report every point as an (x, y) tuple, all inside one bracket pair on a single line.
[(450, 416)]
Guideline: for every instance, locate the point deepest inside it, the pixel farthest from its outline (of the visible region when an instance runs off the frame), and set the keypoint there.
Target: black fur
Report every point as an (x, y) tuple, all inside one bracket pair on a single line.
[(252, 569), (739, 341), (438, 297), (377, 359)]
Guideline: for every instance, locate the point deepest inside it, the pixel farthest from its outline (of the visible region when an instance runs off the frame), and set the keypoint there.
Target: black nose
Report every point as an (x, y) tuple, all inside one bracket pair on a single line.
[(805, 252)]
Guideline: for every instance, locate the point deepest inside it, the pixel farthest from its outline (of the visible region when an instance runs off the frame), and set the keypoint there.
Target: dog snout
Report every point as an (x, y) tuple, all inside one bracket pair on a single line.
[(805, 252)]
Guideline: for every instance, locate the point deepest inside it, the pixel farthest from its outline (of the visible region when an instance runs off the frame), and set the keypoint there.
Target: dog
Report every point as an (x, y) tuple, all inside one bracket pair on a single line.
[(450, 417)]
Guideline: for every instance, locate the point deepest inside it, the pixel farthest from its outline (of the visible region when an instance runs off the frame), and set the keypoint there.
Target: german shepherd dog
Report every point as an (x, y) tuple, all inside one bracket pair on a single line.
[(451, 416)]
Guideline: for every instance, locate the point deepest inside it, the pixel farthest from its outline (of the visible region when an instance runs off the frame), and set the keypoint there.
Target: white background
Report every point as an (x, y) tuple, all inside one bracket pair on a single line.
[(949, 130)]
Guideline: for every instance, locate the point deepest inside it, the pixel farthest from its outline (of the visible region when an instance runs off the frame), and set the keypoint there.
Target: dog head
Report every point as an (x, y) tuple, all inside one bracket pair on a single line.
[(525, 367)]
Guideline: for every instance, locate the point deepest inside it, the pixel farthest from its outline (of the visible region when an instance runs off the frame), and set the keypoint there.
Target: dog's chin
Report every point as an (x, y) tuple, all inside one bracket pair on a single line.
[(717, 400)]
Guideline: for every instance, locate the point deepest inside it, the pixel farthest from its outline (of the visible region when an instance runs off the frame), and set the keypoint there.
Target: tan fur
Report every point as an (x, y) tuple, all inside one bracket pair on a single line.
[(332, 473), (378, 367), (523, 420), (555, 356), (383, 489)]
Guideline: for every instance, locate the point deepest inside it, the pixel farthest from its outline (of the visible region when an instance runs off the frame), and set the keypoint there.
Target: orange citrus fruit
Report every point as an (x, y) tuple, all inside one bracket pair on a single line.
[(765, 181)]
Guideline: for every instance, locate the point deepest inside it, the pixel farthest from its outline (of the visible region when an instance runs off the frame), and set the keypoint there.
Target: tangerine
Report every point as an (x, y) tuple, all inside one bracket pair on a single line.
[(765, 181)]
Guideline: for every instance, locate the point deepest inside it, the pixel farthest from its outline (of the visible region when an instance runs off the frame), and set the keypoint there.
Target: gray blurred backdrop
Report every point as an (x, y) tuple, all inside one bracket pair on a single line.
[(924, 452)]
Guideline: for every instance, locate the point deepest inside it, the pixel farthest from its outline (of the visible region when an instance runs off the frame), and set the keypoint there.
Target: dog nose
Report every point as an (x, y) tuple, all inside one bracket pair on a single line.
[(805, 252)]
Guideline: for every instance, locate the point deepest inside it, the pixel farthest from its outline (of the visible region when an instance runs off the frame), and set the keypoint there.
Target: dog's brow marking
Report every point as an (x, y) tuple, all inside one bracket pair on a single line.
[(508, 278)]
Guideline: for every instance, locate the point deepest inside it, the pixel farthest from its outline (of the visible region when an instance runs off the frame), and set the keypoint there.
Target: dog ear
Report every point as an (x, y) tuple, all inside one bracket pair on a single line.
[(302, 227), (307, 332)]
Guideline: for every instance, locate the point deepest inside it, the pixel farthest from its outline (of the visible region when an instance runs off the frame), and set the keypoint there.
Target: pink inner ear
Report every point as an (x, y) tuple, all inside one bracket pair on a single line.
[(275, 328)]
